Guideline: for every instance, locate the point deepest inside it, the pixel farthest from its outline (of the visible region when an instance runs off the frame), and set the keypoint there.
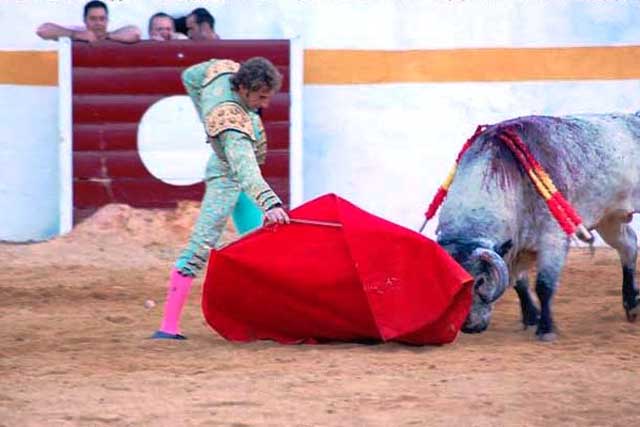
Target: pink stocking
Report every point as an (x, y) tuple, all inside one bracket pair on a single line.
[(177, 292)]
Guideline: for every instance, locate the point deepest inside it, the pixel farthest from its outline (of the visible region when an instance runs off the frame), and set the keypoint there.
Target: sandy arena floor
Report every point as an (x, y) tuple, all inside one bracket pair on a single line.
[(74, 350)]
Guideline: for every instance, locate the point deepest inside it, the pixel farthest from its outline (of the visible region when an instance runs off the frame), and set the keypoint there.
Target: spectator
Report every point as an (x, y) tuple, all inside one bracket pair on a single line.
[(201, 25), (96, 20), (162, 28), (181, 25)]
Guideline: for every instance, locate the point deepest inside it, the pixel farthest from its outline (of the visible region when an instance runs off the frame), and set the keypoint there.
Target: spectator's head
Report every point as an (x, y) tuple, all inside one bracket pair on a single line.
[(181, 25), (256, 82), (96, 17), (161, 26), (201, 25)]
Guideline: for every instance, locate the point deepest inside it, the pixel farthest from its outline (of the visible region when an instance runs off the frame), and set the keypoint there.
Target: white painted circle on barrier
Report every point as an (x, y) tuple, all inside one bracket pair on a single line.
[(172, 142)]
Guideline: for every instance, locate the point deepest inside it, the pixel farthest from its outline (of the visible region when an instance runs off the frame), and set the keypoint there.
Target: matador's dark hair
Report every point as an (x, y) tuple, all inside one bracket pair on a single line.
[(256, 73)]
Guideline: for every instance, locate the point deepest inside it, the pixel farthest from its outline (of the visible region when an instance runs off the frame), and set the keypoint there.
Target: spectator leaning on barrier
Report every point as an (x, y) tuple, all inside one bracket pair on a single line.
[(226, 96), (162, 28), (201, 25), (96, 20)]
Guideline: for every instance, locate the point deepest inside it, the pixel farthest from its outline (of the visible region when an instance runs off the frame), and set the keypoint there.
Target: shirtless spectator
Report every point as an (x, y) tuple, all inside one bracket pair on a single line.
[(96, 20), (162, 28), (201, 25)]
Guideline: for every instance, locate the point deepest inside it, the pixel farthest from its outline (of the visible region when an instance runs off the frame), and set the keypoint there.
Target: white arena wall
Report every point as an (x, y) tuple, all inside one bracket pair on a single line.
[(381, 140)]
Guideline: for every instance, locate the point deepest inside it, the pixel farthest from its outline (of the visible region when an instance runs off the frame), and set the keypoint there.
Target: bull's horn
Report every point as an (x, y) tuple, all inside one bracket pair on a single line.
[(499, 272)]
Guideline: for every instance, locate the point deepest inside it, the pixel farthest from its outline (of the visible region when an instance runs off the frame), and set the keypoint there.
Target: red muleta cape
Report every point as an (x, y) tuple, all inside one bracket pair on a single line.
[(367, 280)]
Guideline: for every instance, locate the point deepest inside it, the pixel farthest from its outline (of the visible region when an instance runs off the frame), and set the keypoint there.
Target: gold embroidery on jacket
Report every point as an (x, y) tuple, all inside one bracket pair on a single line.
[(261, 144), (227, 116), (223, 66)]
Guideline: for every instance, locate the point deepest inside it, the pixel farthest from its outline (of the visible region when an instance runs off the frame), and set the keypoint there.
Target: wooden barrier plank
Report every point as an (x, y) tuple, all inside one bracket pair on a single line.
[(91, 193), (89, 164), (104, 136), (127, 164), (111, 108), (148, 193), (151, 192), (277, 134), (136, 80), (278, 108), (123, 136), (277, 164), (130, 108), (176, 53)]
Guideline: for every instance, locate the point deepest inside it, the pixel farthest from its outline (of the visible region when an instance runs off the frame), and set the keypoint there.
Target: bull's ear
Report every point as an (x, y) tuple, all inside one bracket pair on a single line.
[(504, 248)]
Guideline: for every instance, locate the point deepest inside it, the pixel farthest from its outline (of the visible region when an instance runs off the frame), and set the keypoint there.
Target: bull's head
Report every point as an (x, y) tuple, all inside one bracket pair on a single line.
[(491, 277)]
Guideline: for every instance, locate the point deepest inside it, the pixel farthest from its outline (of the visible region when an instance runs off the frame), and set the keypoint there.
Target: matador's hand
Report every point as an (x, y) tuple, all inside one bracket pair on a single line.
[(276, 216)]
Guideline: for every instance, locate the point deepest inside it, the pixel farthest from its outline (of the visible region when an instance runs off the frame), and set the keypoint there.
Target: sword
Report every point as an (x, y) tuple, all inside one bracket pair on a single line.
[(314, 222)]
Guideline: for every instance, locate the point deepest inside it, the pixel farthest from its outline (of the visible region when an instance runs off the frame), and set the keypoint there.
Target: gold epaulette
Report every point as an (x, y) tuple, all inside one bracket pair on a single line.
[(229, 116), (222, 66)]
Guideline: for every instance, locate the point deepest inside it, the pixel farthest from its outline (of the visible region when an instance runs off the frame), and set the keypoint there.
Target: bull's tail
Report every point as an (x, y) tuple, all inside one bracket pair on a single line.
[(588, 239)]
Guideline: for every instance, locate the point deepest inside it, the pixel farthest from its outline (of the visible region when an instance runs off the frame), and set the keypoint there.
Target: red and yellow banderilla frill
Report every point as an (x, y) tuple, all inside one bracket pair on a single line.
[(560, 208)]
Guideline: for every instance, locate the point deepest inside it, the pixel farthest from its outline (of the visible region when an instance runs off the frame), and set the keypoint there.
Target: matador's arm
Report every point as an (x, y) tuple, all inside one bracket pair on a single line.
[(192, 79), (242, 160)]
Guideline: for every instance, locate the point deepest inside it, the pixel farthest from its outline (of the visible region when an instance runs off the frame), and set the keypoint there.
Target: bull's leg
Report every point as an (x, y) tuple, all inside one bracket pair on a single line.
[(530, 313), (622, 238), (551, 258)]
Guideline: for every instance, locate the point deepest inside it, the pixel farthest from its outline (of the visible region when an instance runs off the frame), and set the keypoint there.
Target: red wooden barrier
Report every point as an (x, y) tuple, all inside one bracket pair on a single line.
[(114, 84)]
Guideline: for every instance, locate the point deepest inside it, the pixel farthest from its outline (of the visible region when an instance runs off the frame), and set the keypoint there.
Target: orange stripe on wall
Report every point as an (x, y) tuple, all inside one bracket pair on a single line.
[(38, 68), (376, 66), (457, 65)]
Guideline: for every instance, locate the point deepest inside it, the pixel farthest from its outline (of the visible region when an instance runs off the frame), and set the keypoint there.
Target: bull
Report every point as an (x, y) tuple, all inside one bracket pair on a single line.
[(495, 224)]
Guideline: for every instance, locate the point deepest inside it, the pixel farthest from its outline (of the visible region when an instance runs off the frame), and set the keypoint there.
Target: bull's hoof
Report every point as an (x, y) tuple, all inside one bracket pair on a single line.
[(547, 337), (546, 332), (532, 321), (530, 316), (526, 326), (632, 314)]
